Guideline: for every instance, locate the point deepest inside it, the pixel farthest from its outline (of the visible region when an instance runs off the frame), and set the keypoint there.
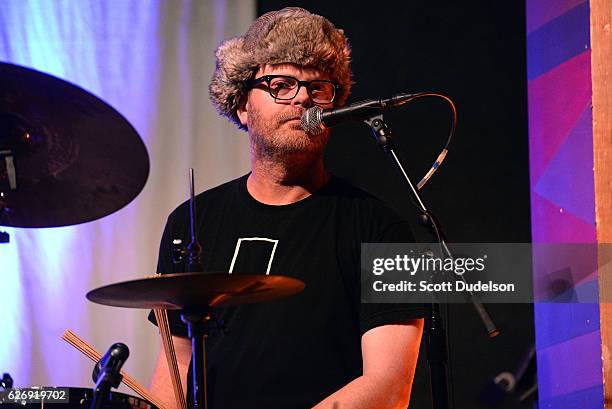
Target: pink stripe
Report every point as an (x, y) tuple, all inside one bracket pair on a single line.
[(556, 101)]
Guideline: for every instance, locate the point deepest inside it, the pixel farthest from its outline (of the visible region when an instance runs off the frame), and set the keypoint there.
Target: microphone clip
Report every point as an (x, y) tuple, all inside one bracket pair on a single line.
[(380, 131)]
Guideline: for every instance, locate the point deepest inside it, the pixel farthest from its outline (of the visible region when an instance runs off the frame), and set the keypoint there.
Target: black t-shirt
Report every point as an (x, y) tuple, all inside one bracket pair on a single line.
[(293, 352)]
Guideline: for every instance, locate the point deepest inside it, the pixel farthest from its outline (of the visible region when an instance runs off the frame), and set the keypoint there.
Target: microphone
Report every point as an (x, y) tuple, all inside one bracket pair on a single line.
[(106, 373), (316, 120), (112, 361)]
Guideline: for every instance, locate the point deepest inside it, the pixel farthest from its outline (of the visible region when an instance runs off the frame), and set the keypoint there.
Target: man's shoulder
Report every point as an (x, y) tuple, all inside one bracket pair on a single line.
[(215, 196), (358, 196), (378, 221)]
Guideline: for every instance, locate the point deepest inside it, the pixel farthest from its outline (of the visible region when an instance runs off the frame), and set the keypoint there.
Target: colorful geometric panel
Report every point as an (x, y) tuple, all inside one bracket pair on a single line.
[(557, 99), (562, 322), (553, 222), (568, 179), (568, 343), (540, 12), (559, 40), (586, 398), (565, 272), (560, 364)]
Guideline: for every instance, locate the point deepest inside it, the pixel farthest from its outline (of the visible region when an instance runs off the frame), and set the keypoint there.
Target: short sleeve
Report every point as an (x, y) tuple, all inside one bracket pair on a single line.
[(374, 315)]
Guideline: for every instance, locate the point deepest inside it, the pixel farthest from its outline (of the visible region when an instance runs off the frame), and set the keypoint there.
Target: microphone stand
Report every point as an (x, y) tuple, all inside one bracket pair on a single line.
[(6, 382), (107, 374), (435, 334), (107, 379)]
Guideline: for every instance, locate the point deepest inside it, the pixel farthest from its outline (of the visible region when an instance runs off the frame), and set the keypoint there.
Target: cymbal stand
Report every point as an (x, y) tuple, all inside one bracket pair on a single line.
[(4, 209), (6, 153), (200, 323), (194, 249)]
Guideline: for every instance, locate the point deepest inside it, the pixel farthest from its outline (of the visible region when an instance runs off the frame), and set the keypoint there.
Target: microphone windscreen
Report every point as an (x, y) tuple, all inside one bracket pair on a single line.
[(113, 359), (311, 121)]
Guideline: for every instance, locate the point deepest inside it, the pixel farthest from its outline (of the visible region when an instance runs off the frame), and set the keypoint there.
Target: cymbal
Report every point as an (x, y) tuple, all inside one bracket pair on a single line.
[(196, 290), (66, 156)]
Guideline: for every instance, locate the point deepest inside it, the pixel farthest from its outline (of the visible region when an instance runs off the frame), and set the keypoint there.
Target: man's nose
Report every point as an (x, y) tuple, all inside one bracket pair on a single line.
[(302, 98)]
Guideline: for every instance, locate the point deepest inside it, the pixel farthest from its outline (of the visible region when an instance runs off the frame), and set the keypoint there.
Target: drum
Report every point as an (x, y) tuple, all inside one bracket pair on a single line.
[(79, 398)]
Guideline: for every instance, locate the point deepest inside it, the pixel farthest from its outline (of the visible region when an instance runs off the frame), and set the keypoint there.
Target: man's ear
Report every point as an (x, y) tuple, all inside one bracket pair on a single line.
[(242, 111)]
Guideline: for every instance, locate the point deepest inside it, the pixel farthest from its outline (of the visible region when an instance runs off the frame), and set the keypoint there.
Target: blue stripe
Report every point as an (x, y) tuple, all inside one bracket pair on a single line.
[(592, 398), (558, 41), (556, 323)]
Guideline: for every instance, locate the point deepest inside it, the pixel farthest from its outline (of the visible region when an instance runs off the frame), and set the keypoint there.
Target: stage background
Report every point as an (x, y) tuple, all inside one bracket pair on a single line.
[(152, 62)]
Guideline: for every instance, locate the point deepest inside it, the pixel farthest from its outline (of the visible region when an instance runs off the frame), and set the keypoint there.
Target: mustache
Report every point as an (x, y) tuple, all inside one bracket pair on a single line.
[(289, 115)]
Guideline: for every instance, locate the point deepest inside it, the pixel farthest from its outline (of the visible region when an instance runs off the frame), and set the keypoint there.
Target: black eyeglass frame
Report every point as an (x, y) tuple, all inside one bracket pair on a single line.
[(268, 80)]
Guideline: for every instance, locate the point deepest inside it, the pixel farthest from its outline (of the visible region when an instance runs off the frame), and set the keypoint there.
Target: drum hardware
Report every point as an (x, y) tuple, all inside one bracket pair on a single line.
[(198, 329), (81, 398), (194, 249), (508, 384), (11, 175), (106, 373), (16, 137), (178, 251), (72, 398), (6, 382), (4, 210), (199, 325), (192, 253), (91, 353), (197, 294)]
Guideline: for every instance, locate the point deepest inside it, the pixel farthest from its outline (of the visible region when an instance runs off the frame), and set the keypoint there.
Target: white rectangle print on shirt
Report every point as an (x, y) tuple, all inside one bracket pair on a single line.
[(253, 255)]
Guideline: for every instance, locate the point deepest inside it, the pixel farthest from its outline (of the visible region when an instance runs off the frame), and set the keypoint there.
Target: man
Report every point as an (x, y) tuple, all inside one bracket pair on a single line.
[(289, 216)]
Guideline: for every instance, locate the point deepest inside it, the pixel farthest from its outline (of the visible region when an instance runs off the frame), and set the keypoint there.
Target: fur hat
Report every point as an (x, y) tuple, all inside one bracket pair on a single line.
[(291, 35)]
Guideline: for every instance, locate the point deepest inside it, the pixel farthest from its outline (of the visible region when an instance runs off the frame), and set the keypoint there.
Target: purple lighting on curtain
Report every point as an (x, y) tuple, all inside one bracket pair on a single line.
[(110, 49)]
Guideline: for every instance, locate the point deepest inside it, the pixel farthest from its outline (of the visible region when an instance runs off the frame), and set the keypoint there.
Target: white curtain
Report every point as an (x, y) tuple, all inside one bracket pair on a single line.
[(152, 61)]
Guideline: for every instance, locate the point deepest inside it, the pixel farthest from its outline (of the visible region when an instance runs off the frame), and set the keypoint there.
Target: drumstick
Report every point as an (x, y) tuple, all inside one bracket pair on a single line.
[(74, 340), (161, 316)]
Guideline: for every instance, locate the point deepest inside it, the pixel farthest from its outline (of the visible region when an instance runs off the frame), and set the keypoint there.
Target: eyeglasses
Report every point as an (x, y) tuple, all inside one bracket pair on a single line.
[(285, 88)]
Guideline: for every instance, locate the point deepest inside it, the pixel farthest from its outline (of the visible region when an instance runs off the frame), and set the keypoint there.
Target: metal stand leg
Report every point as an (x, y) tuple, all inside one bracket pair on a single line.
[(197, 330)]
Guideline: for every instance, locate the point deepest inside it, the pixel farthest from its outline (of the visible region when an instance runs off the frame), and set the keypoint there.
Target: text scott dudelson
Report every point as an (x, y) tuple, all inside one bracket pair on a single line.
[(446, 286)]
